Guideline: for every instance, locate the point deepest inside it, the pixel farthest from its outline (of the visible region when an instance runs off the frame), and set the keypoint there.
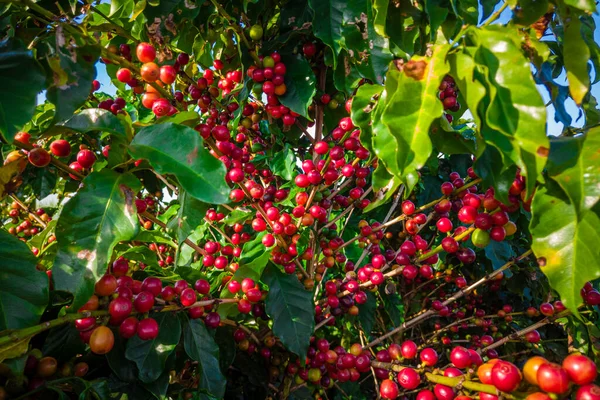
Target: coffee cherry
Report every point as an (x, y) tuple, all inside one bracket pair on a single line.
[(256, 32), (128, 327), (147, 329), (444, 225), (443, 392), (145, 52), (212, 320), (588, 392), (552, 378), (150, 72), (429, 357), (46, 367), (106, 285), (547, 309), (187, 297), (120, 308), (39, 157), (309, 49), (460, 357), (153, 285), (388, 389), (124, 75), (505, 376), (581, 370), (86, 158), (143, 302), (60, 148), (409, 379), (480, 238), (102, 340)]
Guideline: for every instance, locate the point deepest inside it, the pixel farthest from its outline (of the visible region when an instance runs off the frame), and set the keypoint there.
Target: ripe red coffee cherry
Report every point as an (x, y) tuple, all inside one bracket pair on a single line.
[(506, 376), (547, 309), (143, 302), (409, 379), (153, 285), (429, 356), (212, 320), (147, 329), (467, 214), (444, 225), (443, 392), (180, 285), (128, 327), (388, 389), (120, 308), (39, 157), (86, 158), (581, 370), (533, 336), (460, 357), (202, 286), (425, 395), (309, 49), (408, 207), (588, 392), (106, 285), (124, 75), (187, 297), (145, 52), (552, 378), (60, 148)]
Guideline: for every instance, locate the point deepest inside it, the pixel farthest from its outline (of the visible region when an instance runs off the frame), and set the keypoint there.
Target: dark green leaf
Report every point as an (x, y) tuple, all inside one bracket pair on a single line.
[(394, 307), (200, 346), (327, 23), (150, 356), (366, 313), (530, 11), (499, 253), (99, 216), (565, 242), (191, 213), (98, 119), (491, 169), (44, 182), (385, 185), (283, 164), (74, 72), (24, 293), (488, 7), (179, 150), (300, 84), (363, 104), (437, 10), (23, 79), (140, 253), (291, 308)]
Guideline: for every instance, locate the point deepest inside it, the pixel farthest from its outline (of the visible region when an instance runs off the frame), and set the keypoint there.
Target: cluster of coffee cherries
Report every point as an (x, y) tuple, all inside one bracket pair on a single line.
[(126, 296), (448, 95), (544, 380), (115, 106), (25, 226), (37, 371), (269, 79), (60, 148)]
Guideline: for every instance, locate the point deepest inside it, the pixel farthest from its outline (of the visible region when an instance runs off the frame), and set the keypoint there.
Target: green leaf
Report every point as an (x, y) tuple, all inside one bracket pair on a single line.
[(516, 114), (74, 71), (394, 307), (179, 150), (366, 313), (300, 84), (576, 55), (380, 8), (291, 308), (488, 7), (584, 5), (237, 215), (449, 141), (141, 254), (151, 355), (565, 242), (437, 10), (530, 11), (410, 108), (138, 8), (98, 119), (200, 346), (385, 186), (99, 216), (462, 69), (24, 294), (283, 163), (499, 253), (327, 23), (363, 104), (490, 168), (23, 79), (191, 213), (575, 165)]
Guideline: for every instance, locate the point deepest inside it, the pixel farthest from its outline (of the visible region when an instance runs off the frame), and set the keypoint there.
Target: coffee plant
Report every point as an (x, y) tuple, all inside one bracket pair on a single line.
[(299, 199)]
